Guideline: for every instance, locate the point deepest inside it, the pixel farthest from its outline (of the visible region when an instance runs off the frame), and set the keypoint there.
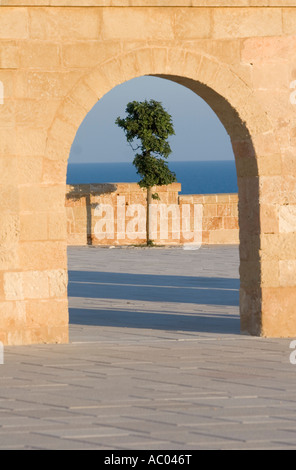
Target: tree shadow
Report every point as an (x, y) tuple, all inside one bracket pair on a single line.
[(86, 191)]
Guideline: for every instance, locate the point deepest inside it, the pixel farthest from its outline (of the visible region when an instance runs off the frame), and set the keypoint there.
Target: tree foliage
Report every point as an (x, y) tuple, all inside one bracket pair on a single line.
[(147, 128)]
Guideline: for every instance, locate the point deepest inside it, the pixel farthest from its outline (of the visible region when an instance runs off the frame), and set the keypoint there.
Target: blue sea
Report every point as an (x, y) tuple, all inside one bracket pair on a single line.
[(208, 177)]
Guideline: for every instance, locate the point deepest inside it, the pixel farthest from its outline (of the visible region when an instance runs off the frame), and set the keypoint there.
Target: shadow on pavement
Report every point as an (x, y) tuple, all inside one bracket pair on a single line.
[(223, 324), (154, 288), (150, 289)]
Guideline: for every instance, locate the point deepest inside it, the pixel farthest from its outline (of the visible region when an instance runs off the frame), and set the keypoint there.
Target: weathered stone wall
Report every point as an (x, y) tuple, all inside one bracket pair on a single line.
[(58, 58), (83, 203), (219, 215), (220, 224)]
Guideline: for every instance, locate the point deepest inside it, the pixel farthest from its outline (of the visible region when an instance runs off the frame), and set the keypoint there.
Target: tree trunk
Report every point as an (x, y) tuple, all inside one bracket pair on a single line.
[(149, 201)]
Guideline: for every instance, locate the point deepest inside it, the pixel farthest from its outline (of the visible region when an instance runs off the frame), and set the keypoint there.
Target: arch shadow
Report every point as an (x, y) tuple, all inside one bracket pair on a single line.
[(155, 302)]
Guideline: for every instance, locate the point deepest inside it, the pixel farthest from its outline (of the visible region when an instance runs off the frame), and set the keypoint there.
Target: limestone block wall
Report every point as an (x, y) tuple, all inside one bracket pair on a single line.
[(118, 204), (113, 208), (220, 225)]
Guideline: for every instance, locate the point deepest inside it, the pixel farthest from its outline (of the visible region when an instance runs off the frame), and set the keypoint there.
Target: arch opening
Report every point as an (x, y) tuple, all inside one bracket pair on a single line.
[(249, 214)]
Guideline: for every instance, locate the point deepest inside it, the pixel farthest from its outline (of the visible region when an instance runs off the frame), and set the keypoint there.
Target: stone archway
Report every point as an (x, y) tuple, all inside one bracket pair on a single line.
[(57, 58), (249, 129), (57, 61)]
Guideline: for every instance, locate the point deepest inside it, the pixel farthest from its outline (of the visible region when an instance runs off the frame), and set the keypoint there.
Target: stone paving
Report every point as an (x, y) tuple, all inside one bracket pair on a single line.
[(156, 361)]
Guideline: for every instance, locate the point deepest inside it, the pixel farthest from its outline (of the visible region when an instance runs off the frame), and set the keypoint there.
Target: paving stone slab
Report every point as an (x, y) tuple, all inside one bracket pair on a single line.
[(158, 363)]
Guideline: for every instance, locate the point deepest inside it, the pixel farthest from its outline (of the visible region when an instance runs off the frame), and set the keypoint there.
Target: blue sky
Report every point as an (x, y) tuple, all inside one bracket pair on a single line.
[(199, 133)]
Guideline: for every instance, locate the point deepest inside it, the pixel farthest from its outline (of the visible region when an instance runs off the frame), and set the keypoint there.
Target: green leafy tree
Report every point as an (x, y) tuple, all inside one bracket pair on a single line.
[(147, 128)]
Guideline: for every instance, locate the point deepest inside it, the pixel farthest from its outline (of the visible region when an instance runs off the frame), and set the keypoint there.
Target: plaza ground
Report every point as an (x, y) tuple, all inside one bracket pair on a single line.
[(155, 361)]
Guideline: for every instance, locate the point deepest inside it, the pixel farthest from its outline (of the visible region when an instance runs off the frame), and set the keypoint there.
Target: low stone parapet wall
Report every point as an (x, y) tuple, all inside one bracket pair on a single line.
[(220, 217), (115, 214)]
